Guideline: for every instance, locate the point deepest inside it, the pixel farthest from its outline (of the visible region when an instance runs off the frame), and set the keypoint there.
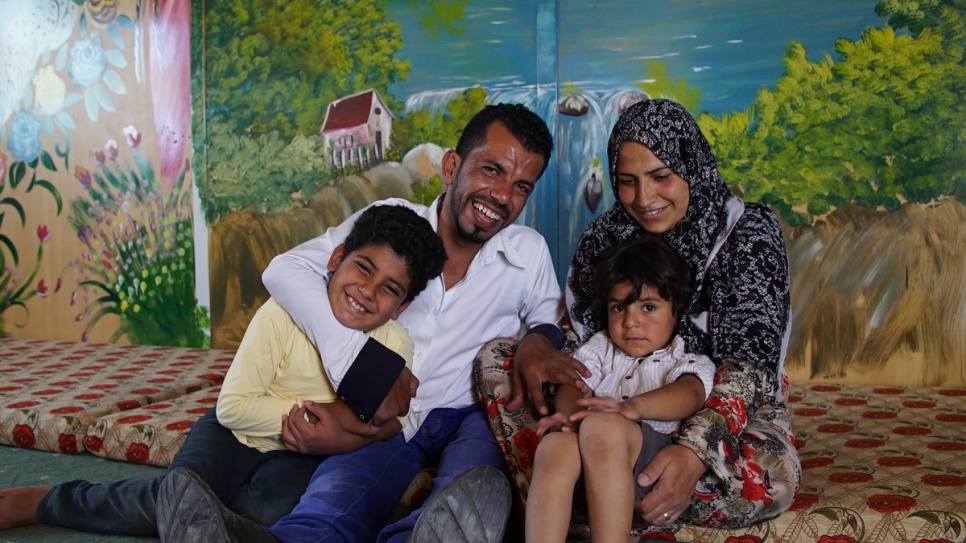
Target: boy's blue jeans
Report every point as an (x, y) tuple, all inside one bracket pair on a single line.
[(261, 486), (351, 497)]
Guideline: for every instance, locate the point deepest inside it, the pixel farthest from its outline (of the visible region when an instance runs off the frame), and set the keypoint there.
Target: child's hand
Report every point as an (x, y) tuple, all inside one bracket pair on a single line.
[(554, 423), (605, 405)]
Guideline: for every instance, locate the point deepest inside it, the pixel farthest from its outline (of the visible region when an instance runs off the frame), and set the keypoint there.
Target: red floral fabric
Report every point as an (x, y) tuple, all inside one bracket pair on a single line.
[(879, 464), (52, 391)]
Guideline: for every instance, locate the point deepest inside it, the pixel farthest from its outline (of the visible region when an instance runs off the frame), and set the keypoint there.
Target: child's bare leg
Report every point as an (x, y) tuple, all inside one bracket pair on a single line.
[(609, 446), (556, 468), (18, 506)]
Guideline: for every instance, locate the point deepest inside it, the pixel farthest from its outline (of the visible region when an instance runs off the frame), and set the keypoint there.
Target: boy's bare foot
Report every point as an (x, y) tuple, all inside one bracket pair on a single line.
[(18, 506)]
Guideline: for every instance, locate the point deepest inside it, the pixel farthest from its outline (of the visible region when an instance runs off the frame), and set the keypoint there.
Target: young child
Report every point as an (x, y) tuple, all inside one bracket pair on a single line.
[(643, 383), (387, 259)]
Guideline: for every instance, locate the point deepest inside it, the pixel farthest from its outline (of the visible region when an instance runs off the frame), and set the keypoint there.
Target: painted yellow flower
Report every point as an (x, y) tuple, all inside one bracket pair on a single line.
[(49, 91)]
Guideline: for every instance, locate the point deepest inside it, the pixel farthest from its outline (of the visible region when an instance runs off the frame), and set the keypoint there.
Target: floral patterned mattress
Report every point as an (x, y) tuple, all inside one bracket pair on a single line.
[(127, 402), (880, 464)]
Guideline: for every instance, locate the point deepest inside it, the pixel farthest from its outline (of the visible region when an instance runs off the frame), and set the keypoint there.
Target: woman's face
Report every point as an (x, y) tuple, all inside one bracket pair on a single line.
[(651, 192)]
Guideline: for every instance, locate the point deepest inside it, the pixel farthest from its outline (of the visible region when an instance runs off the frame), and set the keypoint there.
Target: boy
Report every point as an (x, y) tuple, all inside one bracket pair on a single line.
[(387, 259), (643, 383)]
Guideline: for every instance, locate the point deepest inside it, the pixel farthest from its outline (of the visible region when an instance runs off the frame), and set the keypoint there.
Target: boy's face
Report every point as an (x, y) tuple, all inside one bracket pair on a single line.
[(368, 286), (643, 326)]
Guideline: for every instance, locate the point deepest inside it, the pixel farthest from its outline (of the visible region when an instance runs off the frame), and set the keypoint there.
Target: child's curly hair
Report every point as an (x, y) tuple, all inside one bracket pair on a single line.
[(408, 235)]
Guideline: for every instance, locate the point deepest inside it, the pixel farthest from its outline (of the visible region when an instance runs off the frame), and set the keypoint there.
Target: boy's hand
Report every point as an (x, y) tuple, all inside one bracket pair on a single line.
[(306, 437), (396, 403), (605, 405), (558, 422)]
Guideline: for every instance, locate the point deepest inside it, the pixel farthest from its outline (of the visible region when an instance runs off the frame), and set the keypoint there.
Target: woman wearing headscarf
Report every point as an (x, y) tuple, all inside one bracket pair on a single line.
[(734, 462)]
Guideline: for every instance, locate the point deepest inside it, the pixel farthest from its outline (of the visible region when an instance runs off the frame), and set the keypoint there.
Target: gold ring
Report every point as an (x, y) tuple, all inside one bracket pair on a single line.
[(667, 516)]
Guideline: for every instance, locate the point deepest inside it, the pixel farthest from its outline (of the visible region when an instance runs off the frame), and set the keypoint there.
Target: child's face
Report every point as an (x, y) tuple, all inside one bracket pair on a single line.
[(643, 326), (368, 286)]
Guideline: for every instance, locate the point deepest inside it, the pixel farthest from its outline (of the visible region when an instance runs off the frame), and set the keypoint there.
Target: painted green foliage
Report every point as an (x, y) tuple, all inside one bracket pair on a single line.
[(881, 125)]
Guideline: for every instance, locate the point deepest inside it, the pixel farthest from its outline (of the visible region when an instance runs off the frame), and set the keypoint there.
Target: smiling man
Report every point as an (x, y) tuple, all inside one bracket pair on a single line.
[(497, 277)]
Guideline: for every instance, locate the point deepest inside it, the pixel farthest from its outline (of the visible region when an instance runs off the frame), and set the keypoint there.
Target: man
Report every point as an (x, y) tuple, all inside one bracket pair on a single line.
[(498, 275)]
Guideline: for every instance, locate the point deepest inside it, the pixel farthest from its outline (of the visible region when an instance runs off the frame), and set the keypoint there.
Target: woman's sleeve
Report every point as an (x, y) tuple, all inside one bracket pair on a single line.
[(749, 291)]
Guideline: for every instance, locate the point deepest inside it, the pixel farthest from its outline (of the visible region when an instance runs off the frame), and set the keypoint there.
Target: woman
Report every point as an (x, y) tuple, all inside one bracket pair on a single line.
[(734, 463)]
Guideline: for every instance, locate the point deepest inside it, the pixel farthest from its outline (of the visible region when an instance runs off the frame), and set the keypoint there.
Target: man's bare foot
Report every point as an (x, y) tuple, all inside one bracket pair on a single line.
[(18, 506)]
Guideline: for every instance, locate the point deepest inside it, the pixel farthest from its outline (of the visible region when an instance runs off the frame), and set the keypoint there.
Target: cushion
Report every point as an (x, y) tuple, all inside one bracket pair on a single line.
[(51, 391), (152, 434), (879, 463)]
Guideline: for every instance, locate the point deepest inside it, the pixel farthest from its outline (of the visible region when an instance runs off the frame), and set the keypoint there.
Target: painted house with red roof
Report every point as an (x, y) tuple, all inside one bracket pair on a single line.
[(356, 130)]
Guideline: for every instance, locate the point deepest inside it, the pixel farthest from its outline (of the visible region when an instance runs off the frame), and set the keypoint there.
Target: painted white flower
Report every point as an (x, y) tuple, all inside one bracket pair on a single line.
[(49, 91), (132, 136)]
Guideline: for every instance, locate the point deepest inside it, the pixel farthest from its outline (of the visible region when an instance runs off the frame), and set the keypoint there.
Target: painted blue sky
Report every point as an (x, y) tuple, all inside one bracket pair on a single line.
[(727, 48)]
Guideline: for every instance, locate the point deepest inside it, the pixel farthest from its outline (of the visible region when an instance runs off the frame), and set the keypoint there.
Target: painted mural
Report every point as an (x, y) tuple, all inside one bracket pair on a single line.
[(845, 117), (95, 188)]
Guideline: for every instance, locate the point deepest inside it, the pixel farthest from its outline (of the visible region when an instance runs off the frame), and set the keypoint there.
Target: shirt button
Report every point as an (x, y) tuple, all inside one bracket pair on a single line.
[(691, 361), (624, 397), (628, 377)]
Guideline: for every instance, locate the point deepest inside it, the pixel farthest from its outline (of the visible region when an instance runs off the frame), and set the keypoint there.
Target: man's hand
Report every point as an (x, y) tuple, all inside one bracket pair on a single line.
[(536, 362), (309, 436), (396, 403), (674, 472), (558, 422)]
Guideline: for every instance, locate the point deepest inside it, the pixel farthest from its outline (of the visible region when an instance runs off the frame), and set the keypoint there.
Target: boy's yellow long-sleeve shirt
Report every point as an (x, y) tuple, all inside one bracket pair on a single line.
[(277, 366)]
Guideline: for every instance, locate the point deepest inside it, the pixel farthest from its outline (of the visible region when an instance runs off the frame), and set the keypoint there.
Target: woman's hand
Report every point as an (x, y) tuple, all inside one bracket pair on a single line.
[(674, 472)]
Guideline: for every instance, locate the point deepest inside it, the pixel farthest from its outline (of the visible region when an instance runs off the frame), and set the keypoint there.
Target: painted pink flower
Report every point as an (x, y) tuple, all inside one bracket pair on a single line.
[(170, 77), (132, 136), (83, 176), (99, 158), (42, 289), (111, 149), (42, 233), (60, 282)]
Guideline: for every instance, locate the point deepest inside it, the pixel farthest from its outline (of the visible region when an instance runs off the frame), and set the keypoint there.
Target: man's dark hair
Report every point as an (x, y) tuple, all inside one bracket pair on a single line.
[(408, 235), (645, 261), (524, 124)]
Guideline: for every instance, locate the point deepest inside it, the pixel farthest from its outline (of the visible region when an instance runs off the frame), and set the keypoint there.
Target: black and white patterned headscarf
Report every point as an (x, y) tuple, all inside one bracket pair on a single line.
[(670, 132)]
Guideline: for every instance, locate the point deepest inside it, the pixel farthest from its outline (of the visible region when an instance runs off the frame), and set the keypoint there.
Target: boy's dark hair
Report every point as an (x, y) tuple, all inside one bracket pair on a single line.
[(524, 124), (408, 235), (645, 261)]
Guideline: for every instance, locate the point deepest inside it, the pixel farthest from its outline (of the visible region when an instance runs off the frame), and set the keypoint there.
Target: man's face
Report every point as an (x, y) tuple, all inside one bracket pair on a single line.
[(368, 286), (490, 186)]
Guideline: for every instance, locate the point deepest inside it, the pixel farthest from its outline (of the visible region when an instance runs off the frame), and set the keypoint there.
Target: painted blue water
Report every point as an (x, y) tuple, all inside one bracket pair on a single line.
[(527, 51)]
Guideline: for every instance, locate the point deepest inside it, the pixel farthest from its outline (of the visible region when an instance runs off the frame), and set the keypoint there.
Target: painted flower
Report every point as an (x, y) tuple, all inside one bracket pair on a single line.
[(83, 176), (67, 443), (837, 538), (101, 11), (93, 443), (42, 289), (951, 417), (911, 431), (3, 169), (139, 453), (133, 419), (835, 428), (850, 478), (88, 62), (110, 149), (820, 462), (850, 401), (23, 436), (803, 501), (731, 408), (124, 405), (943, 480), (864, 443), (179, 426), (745, 538), (99, 158), (49, 91), (43, 234), (132, 136), (879, 415), (947, 446), (889, 503), (898, 462), (809, 412), (526, 442), (24, 141)]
